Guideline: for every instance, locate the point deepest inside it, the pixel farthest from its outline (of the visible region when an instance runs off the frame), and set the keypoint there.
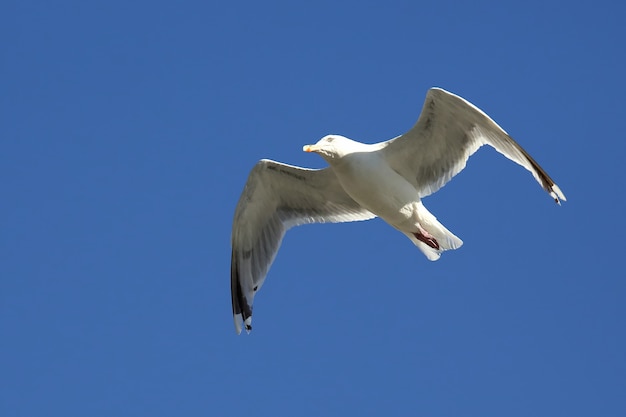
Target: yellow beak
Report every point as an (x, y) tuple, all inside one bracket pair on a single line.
[(309, 148)]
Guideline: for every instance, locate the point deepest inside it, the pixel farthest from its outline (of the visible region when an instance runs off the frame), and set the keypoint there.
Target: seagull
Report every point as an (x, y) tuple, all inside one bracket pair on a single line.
[(363, 181)]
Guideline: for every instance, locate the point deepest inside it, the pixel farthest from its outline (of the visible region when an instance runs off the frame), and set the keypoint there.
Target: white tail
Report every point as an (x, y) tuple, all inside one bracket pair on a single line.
[(445, 238)]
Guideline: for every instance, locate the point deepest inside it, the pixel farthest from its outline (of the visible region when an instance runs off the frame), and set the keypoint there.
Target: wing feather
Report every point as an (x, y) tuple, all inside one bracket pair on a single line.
[(448, 131), (275, 198)]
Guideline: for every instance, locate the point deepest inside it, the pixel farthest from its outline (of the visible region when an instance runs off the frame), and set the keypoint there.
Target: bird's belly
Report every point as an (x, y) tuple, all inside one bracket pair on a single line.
[(382, 191)]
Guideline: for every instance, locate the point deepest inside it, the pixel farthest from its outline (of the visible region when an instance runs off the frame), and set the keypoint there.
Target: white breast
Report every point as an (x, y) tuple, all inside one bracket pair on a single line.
[(371, 182)]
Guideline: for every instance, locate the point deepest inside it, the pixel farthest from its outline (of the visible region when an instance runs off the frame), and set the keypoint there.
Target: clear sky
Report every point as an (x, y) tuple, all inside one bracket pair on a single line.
[(127, 132)]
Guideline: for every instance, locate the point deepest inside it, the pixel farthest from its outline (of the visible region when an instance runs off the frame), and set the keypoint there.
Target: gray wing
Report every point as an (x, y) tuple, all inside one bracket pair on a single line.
[(275, 198), (448, 131)]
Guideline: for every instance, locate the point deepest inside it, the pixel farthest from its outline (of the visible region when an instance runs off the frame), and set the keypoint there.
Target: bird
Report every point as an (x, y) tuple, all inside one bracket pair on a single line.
[(362, 181)]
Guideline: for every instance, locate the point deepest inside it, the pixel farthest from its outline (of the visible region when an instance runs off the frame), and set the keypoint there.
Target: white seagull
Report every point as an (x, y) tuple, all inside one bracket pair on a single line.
[(386, 180)]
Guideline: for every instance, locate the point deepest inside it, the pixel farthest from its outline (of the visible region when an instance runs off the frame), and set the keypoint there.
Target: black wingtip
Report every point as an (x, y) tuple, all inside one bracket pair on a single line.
[(239, 302)]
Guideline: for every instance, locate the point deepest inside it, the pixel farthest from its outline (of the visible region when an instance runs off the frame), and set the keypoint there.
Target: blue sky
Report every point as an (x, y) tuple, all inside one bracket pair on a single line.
[(128, 131)]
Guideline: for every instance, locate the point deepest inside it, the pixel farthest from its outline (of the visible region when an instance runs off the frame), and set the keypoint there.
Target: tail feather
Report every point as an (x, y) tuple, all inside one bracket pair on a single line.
[(446, 239)]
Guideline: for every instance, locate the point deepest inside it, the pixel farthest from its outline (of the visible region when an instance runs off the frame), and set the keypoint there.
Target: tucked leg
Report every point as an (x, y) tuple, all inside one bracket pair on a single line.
[(427, 238)]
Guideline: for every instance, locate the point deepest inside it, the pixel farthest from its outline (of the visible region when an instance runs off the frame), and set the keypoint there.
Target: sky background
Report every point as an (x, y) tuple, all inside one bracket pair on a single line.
[(128, 129)]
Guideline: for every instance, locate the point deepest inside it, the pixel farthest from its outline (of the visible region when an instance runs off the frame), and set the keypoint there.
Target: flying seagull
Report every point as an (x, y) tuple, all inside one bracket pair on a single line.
[(363, 181)]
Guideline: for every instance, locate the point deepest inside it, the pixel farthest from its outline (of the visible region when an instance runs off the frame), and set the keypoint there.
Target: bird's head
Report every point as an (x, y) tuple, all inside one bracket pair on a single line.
[(333, 147)]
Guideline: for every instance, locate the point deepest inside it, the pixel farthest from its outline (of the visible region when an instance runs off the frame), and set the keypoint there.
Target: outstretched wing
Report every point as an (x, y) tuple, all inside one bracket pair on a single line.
[(275, 198), (448, 131)]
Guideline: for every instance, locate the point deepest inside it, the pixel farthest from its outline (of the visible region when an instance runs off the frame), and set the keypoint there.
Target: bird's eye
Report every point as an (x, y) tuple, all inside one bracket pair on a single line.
[(330, 139)]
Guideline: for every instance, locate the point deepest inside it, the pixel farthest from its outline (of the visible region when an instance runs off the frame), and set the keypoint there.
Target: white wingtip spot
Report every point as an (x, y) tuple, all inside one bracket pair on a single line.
[(248, 324), (556, 190), (238, 320)]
